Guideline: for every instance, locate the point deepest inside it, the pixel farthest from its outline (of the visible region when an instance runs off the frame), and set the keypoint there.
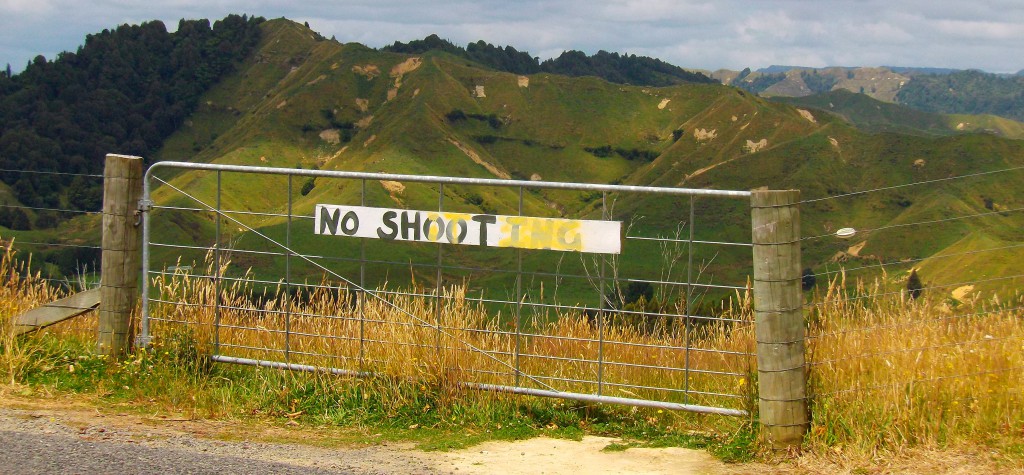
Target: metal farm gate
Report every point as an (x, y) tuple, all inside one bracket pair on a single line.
[(642, 300)]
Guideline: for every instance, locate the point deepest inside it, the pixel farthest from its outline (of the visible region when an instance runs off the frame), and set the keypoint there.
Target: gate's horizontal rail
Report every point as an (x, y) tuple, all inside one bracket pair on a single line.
[(497, 388), (448, 180)]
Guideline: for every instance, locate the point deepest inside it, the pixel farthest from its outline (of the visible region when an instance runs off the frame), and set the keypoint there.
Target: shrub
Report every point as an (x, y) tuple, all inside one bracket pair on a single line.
[(914, 286), (455, 115), (308, 186), (808, 279), (603, 151)]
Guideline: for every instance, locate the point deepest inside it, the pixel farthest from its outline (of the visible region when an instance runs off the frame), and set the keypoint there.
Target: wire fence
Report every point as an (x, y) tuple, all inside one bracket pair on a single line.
[(647, 324), (919, 294), (63, 252)]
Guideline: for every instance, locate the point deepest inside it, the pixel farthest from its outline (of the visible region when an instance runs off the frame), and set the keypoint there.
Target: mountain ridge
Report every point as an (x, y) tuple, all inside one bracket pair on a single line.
[(551, 127), (613, 67), (299, 100)]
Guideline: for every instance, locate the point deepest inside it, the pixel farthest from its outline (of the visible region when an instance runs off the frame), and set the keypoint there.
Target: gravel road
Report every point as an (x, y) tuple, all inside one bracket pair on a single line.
[(43, 442), (42, 436)]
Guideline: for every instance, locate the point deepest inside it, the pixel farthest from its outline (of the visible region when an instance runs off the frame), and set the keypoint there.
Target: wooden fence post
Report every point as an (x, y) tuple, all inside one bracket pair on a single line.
[(119, 267), (778, 311)]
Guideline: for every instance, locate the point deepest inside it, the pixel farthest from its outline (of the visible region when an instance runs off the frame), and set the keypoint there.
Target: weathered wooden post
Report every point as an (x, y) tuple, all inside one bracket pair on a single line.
[(119, 268), (778, 311)]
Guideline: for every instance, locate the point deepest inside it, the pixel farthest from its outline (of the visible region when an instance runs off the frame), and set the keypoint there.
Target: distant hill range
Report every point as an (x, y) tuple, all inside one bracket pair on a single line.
[(946, 91), (872, 115)]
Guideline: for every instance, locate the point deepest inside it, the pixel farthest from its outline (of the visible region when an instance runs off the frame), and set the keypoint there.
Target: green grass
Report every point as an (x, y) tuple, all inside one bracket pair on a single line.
[(176, 377)]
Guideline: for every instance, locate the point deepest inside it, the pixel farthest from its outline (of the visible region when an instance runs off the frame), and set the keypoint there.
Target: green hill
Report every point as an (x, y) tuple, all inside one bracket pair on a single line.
[(875, 116), (966, 92), (935, 90), (299, 100), (125, 89), (433, 113)]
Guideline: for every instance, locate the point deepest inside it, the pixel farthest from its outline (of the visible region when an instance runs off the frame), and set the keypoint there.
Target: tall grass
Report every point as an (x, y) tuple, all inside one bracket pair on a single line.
[(20, 290), (892, 372), (408, 398), (886, 374), (456, 339)]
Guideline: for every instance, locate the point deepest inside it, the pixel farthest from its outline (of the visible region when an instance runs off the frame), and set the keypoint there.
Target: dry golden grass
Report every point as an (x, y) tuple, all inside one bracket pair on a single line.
[(889, 377), (409, 336), (19, 292), (893, 372)]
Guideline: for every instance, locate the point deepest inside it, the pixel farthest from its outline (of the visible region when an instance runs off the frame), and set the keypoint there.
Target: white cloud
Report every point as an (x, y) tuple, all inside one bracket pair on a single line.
[(881, 32), (691, 33), (764, 27), (987, 30), (22, 7), (655, 11)]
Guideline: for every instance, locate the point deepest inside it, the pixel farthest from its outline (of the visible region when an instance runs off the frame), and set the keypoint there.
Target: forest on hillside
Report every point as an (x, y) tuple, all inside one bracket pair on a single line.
[(966, 92), (124, 90), (928, 90), (612, 67)]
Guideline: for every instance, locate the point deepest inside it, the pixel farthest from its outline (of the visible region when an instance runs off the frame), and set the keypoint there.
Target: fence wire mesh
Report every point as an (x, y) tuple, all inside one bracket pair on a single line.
[(666, 321), (920, 310), (69, 260)]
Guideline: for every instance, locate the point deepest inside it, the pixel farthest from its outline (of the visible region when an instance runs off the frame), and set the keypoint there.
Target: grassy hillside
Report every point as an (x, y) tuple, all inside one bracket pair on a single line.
[(966, 92), (302, 101), (933, 90), (874, 116)]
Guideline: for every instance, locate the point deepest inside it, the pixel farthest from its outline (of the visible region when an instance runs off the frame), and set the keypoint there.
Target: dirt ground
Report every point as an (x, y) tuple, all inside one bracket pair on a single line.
[(333, 450), (327, 449)]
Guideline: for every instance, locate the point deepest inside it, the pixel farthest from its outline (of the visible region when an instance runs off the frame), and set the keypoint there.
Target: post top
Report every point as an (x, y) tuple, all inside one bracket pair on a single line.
[(763, 198)]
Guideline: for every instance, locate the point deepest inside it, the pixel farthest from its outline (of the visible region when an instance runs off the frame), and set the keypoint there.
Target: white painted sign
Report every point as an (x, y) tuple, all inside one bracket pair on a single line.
[(603, 237)]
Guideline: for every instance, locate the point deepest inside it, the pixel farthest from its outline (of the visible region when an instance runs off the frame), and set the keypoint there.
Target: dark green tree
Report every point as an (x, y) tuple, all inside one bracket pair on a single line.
[(307, 186), (124, 90), (14, 219), (635, 291), (612, 67)]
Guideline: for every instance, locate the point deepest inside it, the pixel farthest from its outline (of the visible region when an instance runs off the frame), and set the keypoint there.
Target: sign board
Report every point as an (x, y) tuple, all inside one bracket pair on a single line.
[(490, 230)]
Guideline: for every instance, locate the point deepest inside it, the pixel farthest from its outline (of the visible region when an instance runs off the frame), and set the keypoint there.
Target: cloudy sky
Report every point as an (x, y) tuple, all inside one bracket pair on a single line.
[(981, 34)]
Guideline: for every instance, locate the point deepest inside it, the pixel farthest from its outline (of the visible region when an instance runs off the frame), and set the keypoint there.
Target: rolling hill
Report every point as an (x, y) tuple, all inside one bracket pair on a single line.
[(875, 116), (299, 100), (434, 113), (936, 90)]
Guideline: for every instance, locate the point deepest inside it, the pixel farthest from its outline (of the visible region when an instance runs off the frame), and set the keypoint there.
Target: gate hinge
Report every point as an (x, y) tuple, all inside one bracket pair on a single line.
[(143, 341), (144, 207)]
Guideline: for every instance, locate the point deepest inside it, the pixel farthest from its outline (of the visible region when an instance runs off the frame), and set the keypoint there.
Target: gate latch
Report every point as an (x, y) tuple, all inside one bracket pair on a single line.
[(144, 207)]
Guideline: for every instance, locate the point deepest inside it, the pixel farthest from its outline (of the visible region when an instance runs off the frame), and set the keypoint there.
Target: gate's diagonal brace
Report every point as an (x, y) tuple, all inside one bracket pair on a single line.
[(144, 337), (57, 311)]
